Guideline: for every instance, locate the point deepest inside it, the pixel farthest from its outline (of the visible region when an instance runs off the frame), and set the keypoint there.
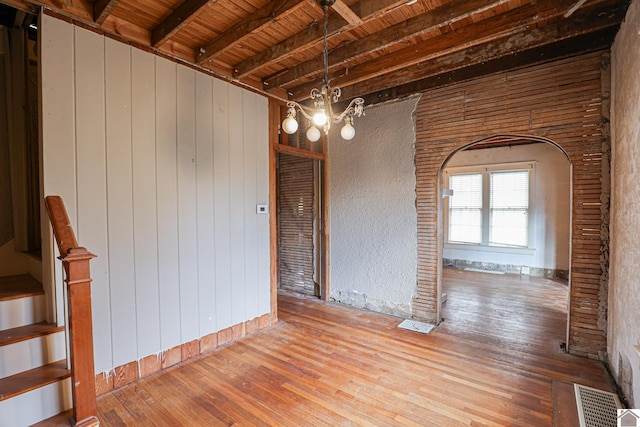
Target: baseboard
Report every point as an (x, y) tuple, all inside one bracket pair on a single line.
[(130, 372), (549, 273)]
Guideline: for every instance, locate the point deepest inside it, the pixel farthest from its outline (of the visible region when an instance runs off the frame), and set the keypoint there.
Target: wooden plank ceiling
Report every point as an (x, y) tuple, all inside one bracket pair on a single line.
[(379, 49)]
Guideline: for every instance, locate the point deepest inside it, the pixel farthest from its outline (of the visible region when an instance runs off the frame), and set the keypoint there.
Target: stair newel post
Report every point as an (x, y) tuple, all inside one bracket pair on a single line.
[(75, 261), (78, 279)]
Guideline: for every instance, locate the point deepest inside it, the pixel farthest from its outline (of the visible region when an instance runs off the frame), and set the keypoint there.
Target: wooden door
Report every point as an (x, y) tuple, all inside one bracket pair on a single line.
[(297, 225)]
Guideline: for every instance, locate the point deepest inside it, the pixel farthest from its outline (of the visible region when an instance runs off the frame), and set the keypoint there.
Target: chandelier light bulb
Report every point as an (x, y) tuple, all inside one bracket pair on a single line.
[(320, 118), (348, 131), (313, 134), (290, 125)]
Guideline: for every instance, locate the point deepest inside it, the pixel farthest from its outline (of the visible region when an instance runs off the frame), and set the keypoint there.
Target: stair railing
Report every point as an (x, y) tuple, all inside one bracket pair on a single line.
[(75, 261)]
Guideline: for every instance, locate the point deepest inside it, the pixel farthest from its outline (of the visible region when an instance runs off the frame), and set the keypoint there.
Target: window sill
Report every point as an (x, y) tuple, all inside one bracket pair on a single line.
[(497, 249)]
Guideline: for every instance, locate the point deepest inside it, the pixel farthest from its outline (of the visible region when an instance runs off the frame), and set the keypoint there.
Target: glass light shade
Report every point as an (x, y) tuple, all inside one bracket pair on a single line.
[(290, 125), (320, 118), (348, 132), (313, 134)]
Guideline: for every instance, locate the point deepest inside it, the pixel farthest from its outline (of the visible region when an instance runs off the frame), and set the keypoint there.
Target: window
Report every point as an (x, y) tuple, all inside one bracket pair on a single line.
[(489, 205), (465, 208), (509, 211)]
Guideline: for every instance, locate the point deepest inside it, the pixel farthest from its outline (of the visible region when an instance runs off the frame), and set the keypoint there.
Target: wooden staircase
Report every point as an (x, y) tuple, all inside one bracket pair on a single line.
[(35, 381), (44, 369)]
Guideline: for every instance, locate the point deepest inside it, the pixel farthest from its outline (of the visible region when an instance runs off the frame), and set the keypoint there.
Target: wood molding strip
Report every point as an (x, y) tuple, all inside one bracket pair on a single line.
[(132, 371), (298, 152)]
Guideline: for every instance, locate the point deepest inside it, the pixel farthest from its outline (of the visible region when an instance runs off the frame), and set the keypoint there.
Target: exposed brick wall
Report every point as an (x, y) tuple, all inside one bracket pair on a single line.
[(560, 102)]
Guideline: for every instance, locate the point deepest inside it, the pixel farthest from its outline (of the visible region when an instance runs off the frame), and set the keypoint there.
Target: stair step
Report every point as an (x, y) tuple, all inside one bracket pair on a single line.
[(31, 346), (12, 287), (33, 379), (22, 333), (64, 419), (35, 395)]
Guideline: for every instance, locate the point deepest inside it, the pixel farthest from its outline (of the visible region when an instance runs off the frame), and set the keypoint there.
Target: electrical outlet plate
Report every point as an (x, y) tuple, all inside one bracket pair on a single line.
[(262, 209)]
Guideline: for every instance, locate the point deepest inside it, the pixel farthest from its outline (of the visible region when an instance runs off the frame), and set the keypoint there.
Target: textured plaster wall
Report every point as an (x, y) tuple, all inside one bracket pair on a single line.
[(624, 282), (550, 209), (373, 211)]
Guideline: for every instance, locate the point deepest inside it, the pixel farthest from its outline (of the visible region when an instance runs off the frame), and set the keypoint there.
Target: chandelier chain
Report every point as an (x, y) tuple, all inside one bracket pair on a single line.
[(325, 51), (322, 114)]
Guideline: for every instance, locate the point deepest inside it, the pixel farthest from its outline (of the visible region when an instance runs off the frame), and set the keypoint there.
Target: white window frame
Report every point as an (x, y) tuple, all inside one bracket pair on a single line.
[(486, 170)]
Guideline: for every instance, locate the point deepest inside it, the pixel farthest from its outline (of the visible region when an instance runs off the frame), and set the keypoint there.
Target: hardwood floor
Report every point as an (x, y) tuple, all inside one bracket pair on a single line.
[(491, 362)]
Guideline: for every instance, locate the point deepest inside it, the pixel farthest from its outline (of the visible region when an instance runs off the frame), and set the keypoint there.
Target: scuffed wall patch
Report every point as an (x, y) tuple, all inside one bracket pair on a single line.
[(359, 299)]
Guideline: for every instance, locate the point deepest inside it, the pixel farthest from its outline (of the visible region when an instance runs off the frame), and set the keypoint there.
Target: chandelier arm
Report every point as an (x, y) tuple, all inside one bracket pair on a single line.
[(293, 104), (355, 108)]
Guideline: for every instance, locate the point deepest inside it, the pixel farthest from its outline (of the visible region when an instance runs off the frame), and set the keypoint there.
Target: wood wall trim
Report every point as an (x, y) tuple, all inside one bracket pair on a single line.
[(130, 372), (556, 102), (274, 139), (298, 152)]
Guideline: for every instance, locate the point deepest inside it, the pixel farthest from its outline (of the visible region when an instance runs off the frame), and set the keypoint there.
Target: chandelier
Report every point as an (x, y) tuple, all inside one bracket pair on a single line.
[(322, 115)]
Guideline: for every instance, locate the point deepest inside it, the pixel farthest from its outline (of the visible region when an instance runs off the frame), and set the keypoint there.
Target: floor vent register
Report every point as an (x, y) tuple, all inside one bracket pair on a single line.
[(412, 325), (596, 408)]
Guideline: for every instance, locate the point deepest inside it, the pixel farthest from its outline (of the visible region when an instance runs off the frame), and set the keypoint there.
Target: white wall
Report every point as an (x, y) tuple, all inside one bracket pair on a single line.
[(373, 210), (550, 208), (160, 168), (624, 288)]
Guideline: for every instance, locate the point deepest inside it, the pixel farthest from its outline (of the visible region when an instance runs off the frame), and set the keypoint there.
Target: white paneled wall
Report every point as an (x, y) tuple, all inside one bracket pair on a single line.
[(161, 168)]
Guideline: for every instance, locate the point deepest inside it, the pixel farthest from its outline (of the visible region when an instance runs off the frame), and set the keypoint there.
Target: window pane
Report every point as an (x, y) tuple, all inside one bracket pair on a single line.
[(467, 191), (465, 208), (509, 208), (510, 189), (509, 227), (465, 225)]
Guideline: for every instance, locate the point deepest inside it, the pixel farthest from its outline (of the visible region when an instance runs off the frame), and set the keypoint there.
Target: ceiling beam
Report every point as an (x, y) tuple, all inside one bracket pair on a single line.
[(273, 10), (552, 52), (179, 18), (399, 33), (102, 9), (574, 8), (347, 14), (366, 10), (524, 49), (497, 27)]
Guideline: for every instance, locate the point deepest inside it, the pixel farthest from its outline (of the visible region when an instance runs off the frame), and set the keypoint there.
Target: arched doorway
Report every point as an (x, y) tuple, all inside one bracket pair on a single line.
[(505, 217), (563, 102)]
